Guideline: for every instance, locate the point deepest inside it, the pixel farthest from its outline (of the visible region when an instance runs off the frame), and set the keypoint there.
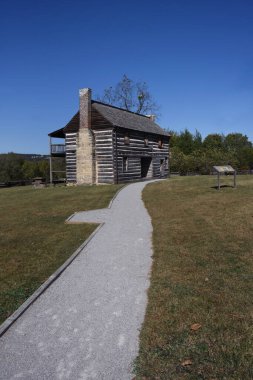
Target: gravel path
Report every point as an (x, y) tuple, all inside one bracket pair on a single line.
[(86, 324)]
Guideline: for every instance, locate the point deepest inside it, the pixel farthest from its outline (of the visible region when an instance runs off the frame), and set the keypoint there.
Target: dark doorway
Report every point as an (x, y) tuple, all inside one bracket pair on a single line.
[(145, 165)]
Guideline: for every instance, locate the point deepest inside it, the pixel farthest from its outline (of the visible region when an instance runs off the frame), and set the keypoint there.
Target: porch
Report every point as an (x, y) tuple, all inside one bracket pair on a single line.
[(57, 158)]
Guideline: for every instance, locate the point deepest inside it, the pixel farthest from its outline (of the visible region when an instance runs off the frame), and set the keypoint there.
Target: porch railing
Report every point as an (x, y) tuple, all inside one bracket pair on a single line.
[(57, 148)]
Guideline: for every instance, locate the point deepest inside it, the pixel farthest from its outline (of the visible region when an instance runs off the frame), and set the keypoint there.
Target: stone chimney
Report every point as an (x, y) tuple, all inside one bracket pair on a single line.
[(151, 117), (85, 150)]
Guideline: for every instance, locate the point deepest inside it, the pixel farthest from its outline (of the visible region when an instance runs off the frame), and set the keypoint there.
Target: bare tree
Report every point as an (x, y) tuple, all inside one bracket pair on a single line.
[(132, 96)]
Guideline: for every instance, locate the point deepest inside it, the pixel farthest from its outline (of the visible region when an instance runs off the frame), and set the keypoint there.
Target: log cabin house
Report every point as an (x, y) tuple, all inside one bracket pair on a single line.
[(107, 144)]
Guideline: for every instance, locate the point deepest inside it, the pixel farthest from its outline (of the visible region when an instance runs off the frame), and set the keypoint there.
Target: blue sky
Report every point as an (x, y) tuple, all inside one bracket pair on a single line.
[(196, 56)]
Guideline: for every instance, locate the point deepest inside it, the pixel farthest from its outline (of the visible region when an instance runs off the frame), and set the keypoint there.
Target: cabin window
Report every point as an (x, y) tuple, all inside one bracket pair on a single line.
[(126, 139), (145, 142), (166, 163), (160, 143), (125, 164)]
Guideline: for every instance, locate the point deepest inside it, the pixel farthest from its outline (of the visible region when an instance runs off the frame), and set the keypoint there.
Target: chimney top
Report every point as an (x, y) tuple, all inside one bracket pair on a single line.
[(151, 117), (84, 91)]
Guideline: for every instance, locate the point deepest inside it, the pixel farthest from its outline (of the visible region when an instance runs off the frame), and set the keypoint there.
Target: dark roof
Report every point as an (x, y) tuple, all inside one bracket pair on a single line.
[(59, 133), (116, 117), (71, 127), (73, 124), (126, 119)]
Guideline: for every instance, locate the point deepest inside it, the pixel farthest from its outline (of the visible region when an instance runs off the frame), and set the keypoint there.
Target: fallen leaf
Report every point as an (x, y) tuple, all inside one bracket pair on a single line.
[(186, 362), (195, 326)]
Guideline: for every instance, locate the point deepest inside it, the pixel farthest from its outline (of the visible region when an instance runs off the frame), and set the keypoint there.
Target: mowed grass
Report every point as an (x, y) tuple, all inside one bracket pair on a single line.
[(34, 241), (202, 275)]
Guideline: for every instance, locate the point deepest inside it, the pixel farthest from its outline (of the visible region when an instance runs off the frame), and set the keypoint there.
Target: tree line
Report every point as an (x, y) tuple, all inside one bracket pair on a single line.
[(18, 167), (190, 153)]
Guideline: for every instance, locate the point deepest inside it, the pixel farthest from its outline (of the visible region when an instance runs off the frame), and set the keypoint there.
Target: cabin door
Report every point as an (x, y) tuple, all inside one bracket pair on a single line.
[(145, 166)]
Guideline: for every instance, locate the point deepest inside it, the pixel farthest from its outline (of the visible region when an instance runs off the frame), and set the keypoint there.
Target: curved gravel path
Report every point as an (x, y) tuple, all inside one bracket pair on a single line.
[(86, 324)]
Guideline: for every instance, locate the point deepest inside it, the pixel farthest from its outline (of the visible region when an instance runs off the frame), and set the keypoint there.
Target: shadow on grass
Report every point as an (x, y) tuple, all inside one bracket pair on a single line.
[(222, 186)]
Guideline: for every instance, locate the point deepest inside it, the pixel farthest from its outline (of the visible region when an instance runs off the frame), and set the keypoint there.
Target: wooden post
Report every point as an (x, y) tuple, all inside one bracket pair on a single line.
[(116, 152), (218, 181), (234, 178), (50, 161)]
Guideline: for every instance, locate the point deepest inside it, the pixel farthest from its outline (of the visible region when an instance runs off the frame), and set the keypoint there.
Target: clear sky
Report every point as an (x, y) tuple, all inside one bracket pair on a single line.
[(195, 55)]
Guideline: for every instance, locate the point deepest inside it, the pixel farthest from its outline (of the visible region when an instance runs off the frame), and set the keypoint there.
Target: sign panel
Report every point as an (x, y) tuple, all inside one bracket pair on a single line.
[(224, 169)]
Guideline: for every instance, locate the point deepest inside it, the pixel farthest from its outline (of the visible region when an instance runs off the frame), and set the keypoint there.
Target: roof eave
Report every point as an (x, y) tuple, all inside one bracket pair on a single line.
[(147, 131), (58, 133)]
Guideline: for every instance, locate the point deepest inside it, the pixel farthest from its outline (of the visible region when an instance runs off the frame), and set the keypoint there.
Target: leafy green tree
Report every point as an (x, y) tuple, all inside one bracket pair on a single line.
[(245, 158), (180, 162), (30, 169), (185, 142), (43, 169), (11, 167), (239, 145), (174, 138), (236, 142), (176, 157), (197, 140), (214, 141), (198, 162)]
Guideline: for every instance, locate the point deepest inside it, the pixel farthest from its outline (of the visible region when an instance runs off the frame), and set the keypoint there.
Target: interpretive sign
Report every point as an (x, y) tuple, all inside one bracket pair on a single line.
[(225, 170)]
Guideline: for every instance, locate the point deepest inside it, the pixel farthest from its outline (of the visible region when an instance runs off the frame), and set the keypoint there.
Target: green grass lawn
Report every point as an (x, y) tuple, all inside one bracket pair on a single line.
[(202, 274), (34, 241)]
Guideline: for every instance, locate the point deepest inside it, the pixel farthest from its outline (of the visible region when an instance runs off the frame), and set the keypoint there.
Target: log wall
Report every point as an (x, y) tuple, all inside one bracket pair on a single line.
[(143, 160), (70, 147), (104, 155)]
